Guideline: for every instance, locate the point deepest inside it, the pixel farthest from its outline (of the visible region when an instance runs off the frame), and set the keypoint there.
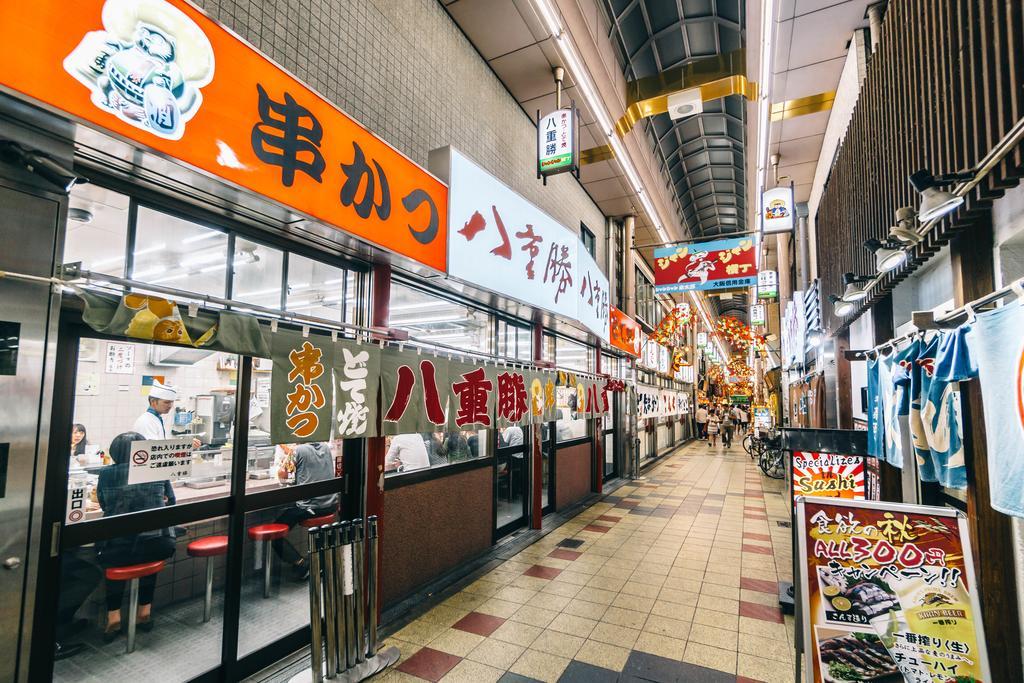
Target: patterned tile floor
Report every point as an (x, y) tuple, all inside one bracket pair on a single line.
[(675, 579)]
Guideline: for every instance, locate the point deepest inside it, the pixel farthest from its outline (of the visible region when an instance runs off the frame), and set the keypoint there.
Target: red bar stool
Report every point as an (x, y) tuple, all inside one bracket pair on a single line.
[(133, 573), (317, 521), (208, 547), (267, 533)]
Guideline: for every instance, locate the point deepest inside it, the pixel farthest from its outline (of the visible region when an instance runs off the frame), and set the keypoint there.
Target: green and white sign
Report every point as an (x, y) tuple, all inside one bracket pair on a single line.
[(757, 314), (556, 142), (702, 339), (767, 284)]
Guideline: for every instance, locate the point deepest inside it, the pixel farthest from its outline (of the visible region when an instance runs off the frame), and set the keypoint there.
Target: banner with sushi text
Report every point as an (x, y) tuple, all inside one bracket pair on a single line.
[(888, 592)]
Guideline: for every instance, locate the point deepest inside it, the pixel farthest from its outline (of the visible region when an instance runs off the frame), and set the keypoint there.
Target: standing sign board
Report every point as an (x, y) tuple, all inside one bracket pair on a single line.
[(159, 460), (767, 284), (557, 142), (503, 243), (777, 210), (196, 92), (721, 264), (888, 591)]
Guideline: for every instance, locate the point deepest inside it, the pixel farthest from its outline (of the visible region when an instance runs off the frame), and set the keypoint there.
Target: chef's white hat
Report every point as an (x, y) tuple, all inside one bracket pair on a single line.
[(164, 391)]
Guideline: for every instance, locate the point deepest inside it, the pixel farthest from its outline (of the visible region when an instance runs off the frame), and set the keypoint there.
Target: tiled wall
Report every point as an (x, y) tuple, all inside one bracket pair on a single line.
[(118, 401), (404, 70)]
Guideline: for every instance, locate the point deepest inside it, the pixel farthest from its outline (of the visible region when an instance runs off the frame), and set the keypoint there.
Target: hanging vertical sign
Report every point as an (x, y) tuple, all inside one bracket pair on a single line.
[(757, 314), (411, 396), (777, 210), (625, 332), (356, 383), (767, 284), (888, 591), (557, 142), (702, 339), (301, 392)]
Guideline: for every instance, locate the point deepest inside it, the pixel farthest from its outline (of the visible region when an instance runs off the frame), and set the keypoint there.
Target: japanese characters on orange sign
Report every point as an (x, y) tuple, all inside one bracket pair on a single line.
[(625, 333), (888, 592), (721, 264), (162, 74)]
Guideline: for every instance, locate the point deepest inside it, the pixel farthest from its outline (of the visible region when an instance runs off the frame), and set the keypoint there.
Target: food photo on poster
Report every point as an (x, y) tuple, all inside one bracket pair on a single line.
[(887, 593)]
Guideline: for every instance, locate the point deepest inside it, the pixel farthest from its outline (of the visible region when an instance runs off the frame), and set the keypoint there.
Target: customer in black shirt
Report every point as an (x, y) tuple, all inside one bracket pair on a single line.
[(117, 497)]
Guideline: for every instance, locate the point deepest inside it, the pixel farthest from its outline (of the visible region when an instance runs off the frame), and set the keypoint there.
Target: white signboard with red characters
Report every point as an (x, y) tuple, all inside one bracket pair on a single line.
[(505, 244)]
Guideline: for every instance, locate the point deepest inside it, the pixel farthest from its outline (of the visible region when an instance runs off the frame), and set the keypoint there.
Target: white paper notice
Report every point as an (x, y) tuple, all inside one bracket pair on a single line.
[(160, 459)]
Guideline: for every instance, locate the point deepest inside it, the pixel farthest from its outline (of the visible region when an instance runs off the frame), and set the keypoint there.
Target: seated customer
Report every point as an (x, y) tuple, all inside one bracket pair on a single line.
[(407, 452), (117, 497), (312, 462)]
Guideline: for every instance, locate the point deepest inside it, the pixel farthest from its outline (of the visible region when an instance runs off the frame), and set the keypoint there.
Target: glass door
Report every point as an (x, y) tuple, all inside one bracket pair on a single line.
[(610, 432), (511, 480)]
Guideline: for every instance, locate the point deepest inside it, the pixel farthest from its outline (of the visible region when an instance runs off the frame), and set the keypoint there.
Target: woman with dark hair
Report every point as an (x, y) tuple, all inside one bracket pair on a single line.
[(79, 439), (117, 497)]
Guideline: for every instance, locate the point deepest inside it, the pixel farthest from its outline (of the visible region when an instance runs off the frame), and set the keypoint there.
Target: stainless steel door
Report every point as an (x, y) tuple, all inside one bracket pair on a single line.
[(28, 234)]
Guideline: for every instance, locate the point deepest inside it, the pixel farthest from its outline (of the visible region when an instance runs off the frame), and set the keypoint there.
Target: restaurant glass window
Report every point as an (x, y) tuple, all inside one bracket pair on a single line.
[(174, 252), (177, 636), (97, 232), (587, 237), (113, 409), (257, 274), (572, 356), (511, 475), (432, 319), (315, 288), (514, 341), (271, 465), (275, 592)]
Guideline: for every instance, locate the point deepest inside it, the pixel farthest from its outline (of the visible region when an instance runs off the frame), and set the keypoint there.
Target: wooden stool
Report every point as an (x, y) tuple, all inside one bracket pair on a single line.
[(267, 533), (208, 547), (133, 573)]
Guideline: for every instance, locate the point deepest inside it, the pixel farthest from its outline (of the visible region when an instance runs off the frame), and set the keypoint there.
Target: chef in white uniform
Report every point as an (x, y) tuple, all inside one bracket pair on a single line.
[(151, 423)]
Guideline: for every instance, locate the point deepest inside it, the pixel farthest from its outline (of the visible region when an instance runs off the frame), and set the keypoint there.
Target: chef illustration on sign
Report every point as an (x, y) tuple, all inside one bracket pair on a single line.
[(147, 67), (151, 423)]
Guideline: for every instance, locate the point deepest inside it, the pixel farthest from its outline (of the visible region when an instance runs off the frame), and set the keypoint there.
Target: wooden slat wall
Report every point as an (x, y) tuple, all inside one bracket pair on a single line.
[(944, 86)]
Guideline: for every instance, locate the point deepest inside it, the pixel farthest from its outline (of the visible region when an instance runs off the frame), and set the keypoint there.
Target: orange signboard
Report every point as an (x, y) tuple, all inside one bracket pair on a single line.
[(625, 332), (162, 74)]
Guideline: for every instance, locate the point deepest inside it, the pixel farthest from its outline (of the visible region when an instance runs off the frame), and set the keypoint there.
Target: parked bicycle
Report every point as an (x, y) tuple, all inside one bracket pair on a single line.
[(767, 451)]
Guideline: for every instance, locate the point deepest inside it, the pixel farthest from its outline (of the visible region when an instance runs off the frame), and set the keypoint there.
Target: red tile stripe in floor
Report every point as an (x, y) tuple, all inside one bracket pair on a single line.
[(759, 585), (479, 623), (762, 612), (609, 518), (757, 537), (542, 572), (756, 549), (596, 527), (429, 664), (563, 554)]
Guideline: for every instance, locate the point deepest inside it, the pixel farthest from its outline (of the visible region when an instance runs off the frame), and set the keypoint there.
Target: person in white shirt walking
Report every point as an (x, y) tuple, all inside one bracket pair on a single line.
[(702, 422)]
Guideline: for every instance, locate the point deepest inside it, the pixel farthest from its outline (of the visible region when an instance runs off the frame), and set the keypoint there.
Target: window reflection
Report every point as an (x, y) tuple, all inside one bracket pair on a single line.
[(436, 320), (97, 229), (176, 253), (315, 288), (257, 274)]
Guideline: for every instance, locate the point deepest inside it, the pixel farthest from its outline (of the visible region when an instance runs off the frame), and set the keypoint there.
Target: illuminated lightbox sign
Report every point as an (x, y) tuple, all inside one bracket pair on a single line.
[(777, 210), (767, 284), (503, 243), (556, 142)]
